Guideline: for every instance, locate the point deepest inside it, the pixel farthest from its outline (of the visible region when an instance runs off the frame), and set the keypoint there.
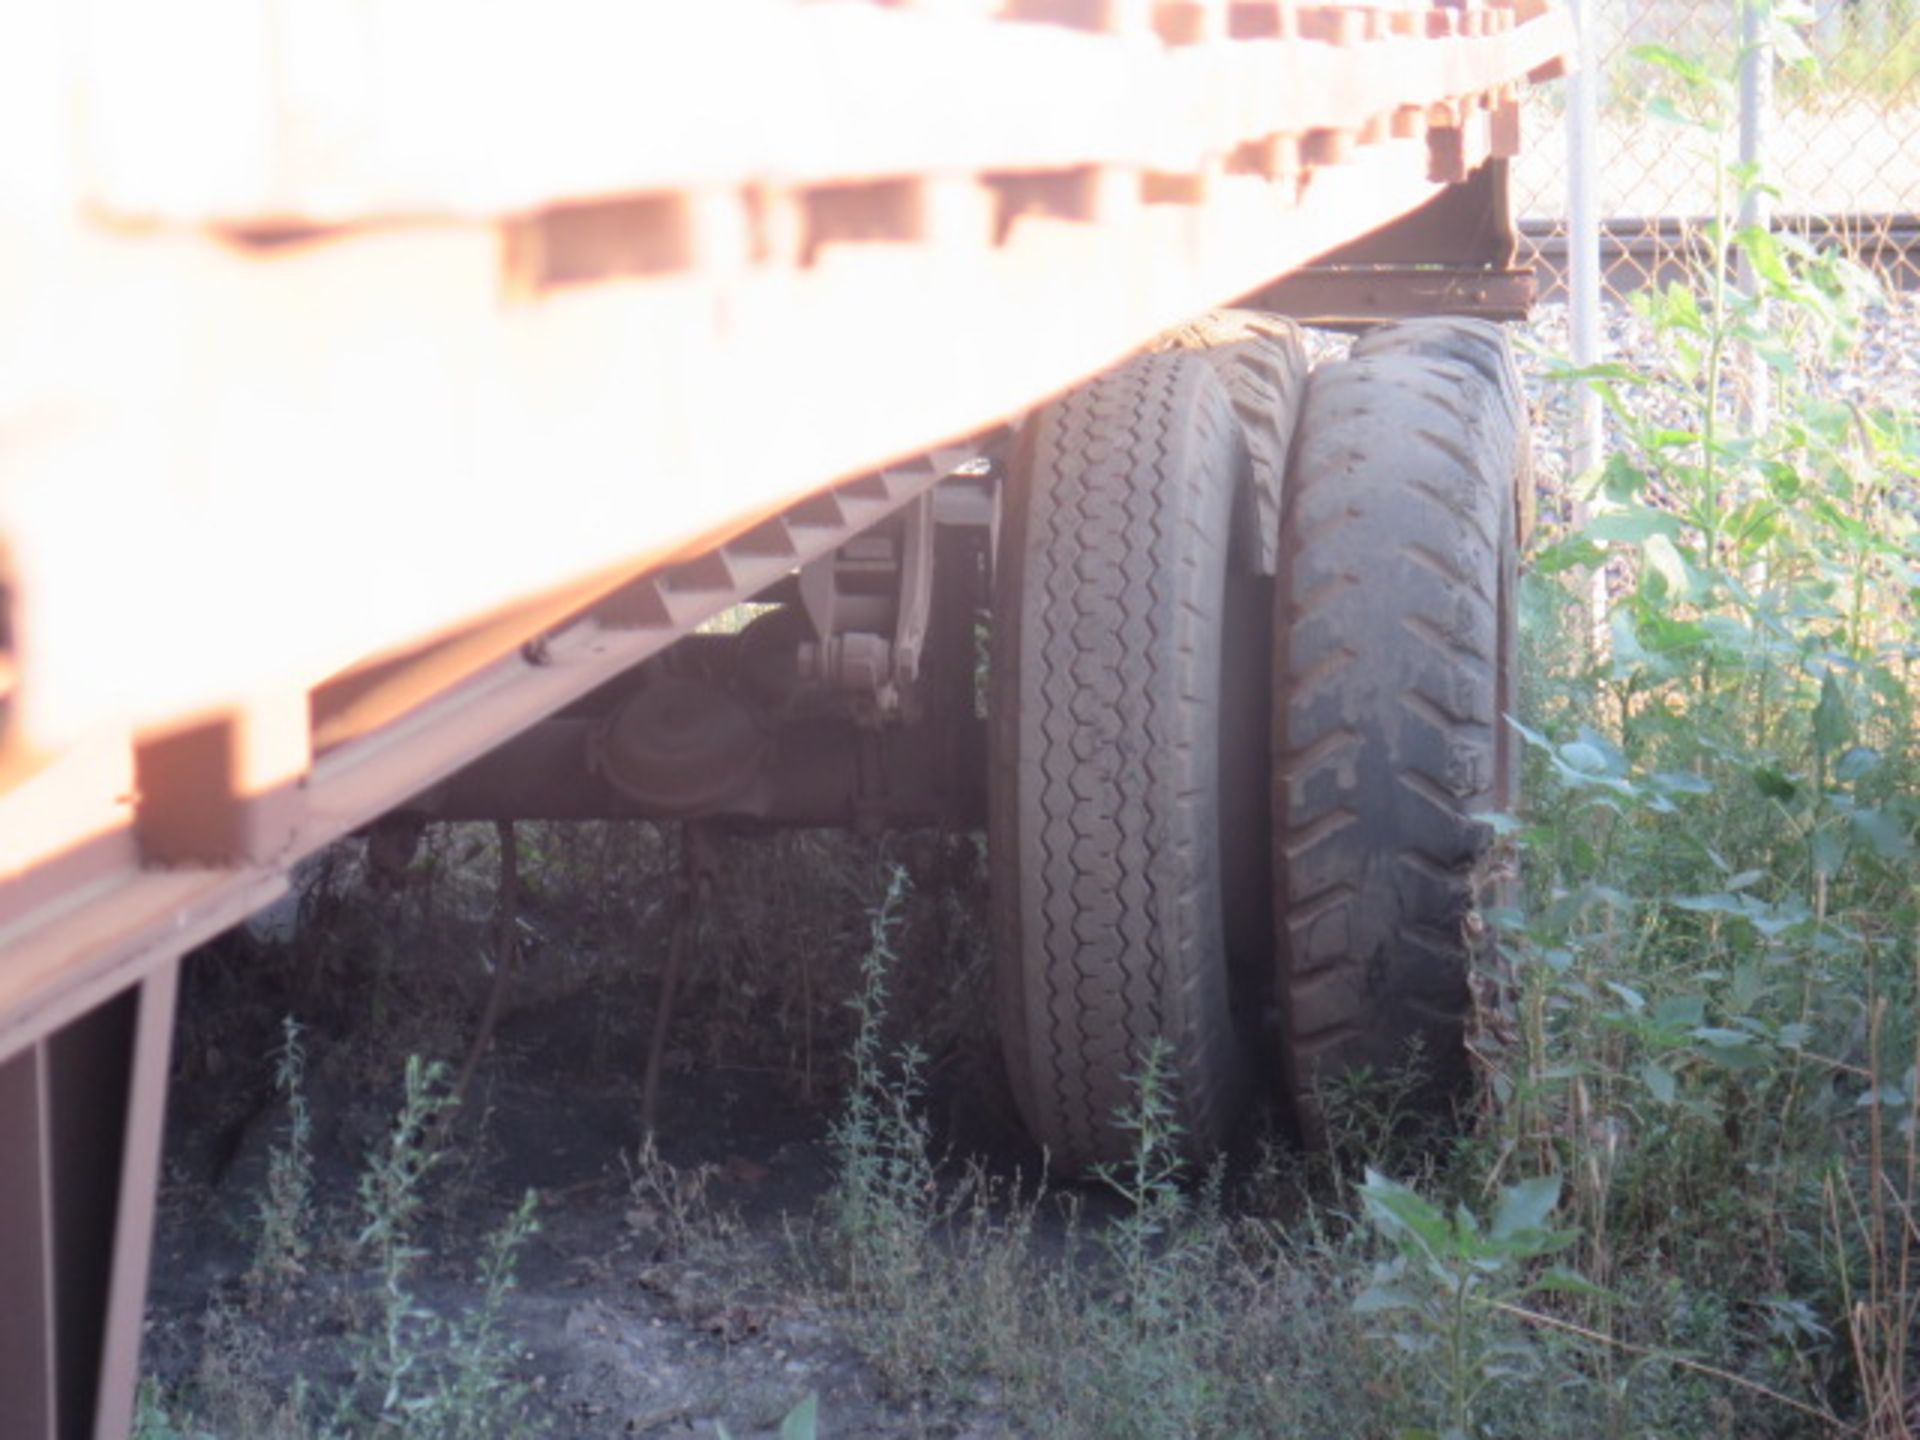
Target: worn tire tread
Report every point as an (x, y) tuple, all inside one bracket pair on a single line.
[(1393, 656), (1102, 802)]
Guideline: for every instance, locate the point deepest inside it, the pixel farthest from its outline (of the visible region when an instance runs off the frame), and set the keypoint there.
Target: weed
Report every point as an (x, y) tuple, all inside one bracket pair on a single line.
[(230, 1391), (942, 1275), (1148, 1184), (391, 1200), (802, 1422), (884, 1186), (1370, 1117), (1436, 1297), (672, 1202), (1875, 1235), (418, 1374), (286, 1207), (1155, 1334), (885, 1202), (153, 1418), (476, 1392)]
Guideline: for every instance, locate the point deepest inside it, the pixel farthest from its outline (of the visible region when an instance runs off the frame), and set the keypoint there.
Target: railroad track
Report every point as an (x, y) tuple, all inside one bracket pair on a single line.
[(1635, 253)]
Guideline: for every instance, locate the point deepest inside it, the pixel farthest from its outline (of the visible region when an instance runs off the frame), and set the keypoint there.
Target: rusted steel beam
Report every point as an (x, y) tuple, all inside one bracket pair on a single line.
[(220, 788), (1342, 296), (670, 602), (813, 775), (1469, 224), (1638, 253), (82, 1112), (143, 1101), (1453, 255), (28, 1342)]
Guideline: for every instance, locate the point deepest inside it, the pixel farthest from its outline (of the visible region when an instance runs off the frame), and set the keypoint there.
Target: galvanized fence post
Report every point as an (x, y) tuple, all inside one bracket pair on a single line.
[(1756, 207), (1583, 231), (1583, 271)]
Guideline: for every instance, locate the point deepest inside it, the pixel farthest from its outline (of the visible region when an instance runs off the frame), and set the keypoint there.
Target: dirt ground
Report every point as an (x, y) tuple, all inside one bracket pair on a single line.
[(662, 1295)]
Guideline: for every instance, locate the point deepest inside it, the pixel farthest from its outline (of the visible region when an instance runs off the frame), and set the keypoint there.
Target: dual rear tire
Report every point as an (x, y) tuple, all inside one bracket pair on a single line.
[(1231, 810), (1115, 743)]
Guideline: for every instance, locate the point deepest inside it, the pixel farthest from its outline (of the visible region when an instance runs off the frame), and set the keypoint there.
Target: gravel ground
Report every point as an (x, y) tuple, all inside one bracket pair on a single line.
[(1884, 372)]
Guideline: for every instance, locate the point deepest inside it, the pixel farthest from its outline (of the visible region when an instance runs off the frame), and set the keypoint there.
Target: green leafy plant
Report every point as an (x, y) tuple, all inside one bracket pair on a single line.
[(1159, 1326), (153, 1417), (886, 1201), (1145, 1242), (420, 1374), (802, 1422), (1722, 837), (885, 1186), (391, 1201), (286, 1207), (1439, 1296)]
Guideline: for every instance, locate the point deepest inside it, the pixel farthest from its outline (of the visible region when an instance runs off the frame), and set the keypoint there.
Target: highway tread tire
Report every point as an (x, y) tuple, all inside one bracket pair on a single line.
[(1104, 714), (1262, 361), (1393, 674)]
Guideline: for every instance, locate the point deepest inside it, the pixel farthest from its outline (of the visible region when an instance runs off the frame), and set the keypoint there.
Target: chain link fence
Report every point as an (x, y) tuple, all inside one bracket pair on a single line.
[(1839, 143)]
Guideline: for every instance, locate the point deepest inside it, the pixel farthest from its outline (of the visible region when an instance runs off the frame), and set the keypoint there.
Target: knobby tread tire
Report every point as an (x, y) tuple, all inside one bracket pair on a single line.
[(1262, 361), (1393, 675), (1486, 347), (1105, 716)]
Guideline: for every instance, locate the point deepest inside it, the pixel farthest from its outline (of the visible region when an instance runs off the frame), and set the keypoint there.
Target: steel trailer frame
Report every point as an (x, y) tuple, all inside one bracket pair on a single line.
[(357, 418)]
